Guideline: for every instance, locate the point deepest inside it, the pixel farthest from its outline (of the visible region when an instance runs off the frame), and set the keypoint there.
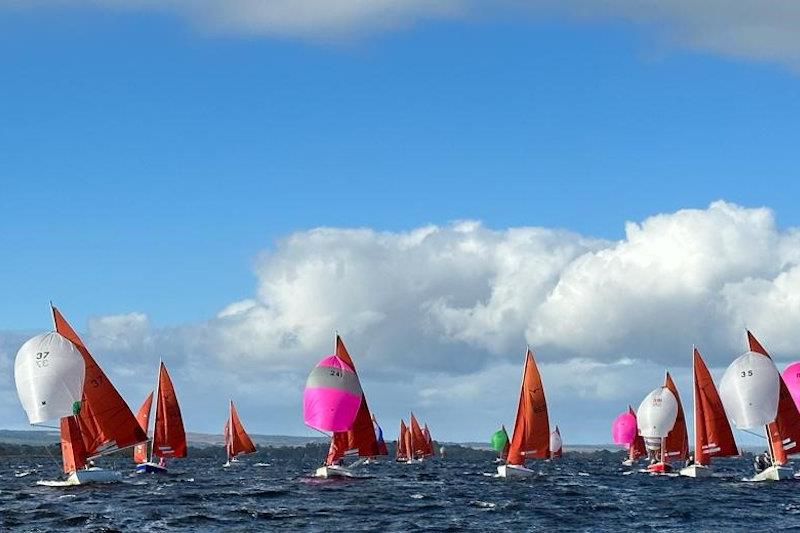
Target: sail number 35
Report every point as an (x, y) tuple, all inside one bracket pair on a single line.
[(745, 373)]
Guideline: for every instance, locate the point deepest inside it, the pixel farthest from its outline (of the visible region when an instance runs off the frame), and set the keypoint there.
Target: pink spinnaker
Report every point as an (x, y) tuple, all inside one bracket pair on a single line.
[(332, 396), (791, 376), (623, 429)]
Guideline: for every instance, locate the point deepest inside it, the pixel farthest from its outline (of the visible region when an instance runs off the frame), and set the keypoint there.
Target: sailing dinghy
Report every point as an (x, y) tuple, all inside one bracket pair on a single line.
[(531, 437), (334, 401), (419, 445), (95, 420), (556, 444), (755, 396), (237, 441), (661, 422), (625, 432), (500, 443), (381, 444), (712, 431), (169, 437)]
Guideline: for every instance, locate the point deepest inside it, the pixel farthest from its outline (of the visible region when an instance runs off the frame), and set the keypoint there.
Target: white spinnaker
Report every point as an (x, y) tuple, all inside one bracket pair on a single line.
[(657, 413), (49, 372), (749, 390), (555, 441)]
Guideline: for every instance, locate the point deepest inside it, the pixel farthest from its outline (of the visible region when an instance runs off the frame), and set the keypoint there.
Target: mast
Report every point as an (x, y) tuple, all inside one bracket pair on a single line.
[(697, 444), (155, 414), (229, 436)]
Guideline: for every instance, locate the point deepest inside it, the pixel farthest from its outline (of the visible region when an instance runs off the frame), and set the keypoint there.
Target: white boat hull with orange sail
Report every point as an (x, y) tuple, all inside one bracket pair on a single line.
[(85, 477), (697, 471), (515, 471), (773, 473)]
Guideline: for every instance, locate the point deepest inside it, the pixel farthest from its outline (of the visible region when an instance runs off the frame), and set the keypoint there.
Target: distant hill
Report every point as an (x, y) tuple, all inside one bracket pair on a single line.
[(198, 440)]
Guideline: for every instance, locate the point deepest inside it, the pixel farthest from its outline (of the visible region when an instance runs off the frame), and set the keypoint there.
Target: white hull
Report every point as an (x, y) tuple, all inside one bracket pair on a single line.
[(333, 471), (413, 461), (150, 468), (697, 471), (84, 477), (514, 471), (773, 473), (627, 462)]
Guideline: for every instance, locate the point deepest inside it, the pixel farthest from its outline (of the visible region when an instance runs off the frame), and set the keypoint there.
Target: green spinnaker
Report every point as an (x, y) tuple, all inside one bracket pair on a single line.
[(499, 439)]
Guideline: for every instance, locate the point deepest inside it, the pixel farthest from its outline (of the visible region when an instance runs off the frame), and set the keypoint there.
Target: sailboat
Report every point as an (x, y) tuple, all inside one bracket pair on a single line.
[(624, 431), (500, 444), (755, 396), (712, 431), (169, 437), (418, 448), (401, 453), (237, 441), (531, 438), (556, 444), (662, 423), (98, 423), (351, 435), (429, 448), (382, 450)]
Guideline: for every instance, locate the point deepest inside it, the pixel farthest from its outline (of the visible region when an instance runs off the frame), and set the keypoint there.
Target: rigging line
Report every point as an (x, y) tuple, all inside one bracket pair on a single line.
[(752, 433)]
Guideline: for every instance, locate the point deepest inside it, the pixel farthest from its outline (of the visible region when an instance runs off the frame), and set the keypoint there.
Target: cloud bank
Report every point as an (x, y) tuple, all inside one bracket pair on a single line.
[(744, 28), (437, 319)]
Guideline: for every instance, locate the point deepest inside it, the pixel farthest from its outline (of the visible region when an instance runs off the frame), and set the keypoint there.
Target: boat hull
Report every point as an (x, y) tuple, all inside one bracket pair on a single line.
[(334, 471), (150, 468), (85, 477), (773, 473), (510, 471), (627, 462), (697, 471), (659, 468)]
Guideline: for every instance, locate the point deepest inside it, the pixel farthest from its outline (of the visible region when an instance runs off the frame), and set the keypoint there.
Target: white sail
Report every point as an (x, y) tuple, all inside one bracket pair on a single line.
[(49, 372), (749, 390), (657, 413), (555, 441)]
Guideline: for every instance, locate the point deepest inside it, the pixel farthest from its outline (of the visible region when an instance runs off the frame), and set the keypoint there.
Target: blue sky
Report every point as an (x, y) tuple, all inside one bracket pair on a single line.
[(152, 161), (148, 162)]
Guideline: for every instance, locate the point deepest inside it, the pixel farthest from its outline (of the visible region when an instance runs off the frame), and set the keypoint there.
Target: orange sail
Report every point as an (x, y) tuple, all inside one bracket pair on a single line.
[(72, 451), (420, 443), (360, 439), (169, 437), (104, 416), (143, 417), (402, 450), (638, 448), (676, 445), (784, 432), (531, 437), (428, 441), (713, 436), (236, 438)]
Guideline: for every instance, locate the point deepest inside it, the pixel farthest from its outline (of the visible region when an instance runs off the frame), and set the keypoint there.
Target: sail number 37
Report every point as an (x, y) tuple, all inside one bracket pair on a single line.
[(41, 359)]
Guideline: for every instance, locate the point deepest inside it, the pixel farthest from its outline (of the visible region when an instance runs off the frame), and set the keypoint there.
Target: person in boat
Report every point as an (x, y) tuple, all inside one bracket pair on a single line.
[(162, 462), (690, 460)]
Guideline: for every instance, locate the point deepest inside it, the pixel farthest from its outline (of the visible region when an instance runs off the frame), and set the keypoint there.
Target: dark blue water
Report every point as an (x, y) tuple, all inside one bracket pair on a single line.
[(584, 492)]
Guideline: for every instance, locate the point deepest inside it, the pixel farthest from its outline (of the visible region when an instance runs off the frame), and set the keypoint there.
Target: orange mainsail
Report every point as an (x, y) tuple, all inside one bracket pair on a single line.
[(361, 437), (72, 451), (236, 438), (104, 416), (638, 448), (713, 436), (532, 428), (676, 445), (169, 437), (402, 449), (420, 443), (143, 417), (784, 432)]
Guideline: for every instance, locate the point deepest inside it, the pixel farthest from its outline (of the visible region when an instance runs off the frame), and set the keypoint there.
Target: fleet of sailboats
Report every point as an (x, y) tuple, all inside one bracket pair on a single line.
[(57, 378)]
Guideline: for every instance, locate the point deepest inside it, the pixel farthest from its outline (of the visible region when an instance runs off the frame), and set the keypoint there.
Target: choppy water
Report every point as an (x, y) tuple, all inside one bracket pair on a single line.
[(586, 492)]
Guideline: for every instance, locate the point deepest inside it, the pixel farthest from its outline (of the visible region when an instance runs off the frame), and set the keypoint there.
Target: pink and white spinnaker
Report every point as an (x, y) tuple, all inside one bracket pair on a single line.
[(623, 429), (332, 396), (791, 376)]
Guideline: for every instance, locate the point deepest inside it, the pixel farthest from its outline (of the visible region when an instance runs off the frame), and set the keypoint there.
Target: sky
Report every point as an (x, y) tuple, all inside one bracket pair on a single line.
[(224, 184)]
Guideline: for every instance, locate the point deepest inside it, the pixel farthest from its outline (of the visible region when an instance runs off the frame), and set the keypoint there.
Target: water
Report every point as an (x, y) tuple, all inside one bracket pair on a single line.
[(584, 492)]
